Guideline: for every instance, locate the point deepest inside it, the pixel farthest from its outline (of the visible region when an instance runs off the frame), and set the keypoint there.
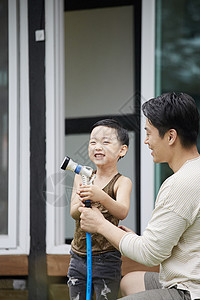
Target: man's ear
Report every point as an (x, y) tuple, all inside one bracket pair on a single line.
[(172, 136), (123, 150)]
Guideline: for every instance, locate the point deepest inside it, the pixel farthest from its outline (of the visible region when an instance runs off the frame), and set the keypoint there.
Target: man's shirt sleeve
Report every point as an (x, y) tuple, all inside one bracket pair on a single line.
[(155, 245)]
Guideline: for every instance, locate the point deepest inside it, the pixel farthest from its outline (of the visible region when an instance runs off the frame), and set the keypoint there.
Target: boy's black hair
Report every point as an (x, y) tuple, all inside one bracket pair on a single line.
[(122, 133), (174, 111)]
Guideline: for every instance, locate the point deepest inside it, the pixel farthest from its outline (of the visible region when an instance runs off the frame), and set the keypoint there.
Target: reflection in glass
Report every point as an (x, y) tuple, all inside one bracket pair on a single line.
[(3, 117), (177, 55)]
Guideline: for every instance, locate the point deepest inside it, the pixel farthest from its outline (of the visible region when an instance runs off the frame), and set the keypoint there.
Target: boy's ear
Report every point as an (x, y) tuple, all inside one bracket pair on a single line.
[(123, 150)]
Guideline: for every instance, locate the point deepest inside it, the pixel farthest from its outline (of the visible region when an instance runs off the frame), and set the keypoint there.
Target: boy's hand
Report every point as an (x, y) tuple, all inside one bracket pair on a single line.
[(90, 192)]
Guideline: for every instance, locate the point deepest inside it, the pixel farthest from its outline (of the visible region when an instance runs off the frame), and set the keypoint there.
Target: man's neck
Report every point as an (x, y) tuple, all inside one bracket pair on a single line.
[(181, 156)]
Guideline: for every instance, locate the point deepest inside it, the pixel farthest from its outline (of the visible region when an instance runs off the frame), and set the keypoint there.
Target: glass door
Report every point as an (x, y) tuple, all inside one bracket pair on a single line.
[(100, 82), (177, 55)]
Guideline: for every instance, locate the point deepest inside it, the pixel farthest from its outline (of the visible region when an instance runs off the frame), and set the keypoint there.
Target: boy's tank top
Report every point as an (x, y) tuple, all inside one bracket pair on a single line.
[(99, 243)]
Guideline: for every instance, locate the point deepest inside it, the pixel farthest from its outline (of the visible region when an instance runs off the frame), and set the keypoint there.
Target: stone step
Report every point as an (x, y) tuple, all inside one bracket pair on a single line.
[(13, 295), (58, 291)]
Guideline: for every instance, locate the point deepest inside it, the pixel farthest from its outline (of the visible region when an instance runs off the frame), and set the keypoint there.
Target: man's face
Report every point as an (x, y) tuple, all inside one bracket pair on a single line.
[(158, 145)]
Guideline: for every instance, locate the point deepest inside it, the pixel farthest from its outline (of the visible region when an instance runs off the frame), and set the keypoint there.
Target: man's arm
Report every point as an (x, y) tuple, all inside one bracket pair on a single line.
[(93, 221), (154, 246), (158, 240)]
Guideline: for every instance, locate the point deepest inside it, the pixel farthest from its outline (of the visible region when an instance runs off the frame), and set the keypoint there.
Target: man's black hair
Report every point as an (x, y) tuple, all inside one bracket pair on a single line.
[(174, 111), (122, 133)]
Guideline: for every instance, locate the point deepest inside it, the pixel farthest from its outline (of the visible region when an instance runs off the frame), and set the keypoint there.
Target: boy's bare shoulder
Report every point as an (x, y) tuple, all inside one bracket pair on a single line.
[(124, 180), (123, 183)]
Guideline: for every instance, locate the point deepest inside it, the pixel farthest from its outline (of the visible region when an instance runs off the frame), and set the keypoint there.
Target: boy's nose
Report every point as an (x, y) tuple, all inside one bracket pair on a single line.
[(98, 146)]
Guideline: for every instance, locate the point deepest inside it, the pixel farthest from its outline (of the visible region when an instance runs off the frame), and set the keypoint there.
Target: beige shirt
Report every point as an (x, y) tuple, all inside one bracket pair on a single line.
[(172, 237)]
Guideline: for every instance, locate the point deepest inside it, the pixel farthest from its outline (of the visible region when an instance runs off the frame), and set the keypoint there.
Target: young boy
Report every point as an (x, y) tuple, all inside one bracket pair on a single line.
[(110, 193)]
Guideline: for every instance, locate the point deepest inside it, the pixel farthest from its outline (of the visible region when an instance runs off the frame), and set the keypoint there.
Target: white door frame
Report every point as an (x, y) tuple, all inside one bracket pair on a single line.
[(55, 118), (147, 92)]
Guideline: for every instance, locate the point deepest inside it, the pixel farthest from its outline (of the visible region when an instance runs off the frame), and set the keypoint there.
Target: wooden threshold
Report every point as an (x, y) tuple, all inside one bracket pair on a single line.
[(57, 265), (14, 265)]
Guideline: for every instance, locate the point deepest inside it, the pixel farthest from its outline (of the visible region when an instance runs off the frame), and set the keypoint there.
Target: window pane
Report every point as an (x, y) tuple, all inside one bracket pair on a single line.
[(4, 117), (177, 54), (99, 56)]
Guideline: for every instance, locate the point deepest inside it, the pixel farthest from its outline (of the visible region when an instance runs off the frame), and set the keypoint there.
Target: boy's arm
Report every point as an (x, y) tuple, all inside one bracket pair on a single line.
[(75, 200), (119, 207)]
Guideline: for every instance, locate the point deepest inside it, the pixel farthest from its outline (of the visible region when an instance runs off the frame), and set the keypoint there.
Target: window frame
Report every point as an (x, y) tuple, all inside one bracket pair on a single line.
[(17, 240), (54, 55)]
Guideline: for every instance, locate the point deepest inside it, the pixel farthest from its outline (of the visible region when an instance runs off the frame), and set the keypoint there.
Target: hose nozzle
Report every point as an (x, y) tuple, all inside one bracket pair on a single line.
[(69, 164)]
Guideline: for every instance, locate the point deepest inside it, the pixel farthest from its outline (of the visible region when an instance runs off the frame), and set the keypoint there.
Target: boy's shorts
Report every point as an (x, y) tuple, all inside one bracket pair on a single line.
[(154, 290), (106, 275)]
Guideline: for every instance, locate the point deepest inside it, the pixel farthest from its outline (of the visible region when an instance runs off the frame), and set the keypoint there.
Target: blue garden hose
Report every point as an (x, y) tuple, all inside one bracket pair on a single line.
[(89, 266), (86, 173), (89, 260)]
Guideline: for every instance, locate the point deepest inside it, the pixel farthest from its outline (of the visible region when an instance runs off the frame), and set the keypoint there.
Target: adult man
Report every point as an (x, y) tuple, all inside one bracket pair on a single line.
[(172, 237)]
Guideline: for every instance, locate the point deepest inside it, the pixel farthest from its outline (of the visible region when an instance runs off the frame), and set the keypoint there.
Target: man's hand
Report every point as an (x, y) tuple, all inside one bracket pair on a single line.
[(91, 219), (126, 229)]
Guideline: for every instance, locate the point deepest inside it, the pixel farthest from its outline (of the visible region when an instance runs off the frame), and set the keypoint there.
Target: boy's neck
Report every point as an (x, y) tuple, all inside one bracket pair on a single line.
[(106, 172)]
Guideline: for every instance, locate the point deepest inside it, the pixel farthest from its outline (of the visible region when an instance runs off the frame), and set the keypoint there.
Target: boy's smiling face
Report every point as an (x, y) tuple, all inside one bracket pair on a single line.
[(104, 146)]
